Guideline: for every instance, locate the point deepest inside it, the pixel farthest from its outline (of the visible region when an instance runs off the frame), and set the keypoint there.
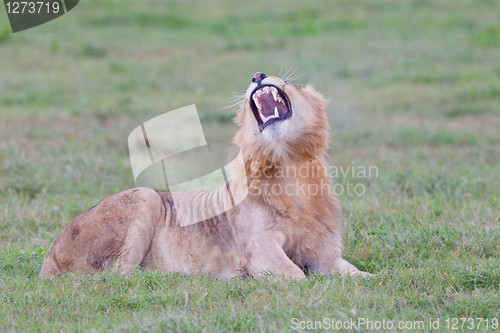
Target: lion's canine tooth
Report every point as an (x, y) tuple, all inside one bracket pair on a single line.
[(276, 113), (275, 94), (256, 101)]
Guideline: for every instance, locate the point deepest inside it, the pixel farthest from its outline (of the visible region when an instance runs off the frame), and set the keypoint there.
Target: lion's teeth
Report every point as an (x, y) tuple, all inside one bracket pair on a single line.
[(275, 94), (257, 104), (276, 113)]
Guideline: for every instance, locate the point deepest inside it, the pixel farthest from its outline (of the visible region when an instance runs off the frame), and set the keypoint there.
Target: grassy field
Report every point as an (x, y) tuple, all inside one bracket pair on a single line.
[(414, 89)]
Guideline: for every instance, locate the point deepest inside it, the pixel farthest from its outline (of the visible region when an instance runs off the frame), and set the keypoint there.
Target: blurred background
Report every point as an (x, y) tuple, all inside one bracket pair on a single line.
[(414, 89)]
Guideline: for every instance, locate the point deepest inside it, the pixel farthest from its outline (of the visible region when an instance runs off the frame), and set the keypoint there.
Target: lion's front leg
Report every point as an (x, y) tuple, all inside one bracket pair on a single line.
[(265, 255), (330, 261), (327, 259), (260, 248), (344, 267), (337, 265)]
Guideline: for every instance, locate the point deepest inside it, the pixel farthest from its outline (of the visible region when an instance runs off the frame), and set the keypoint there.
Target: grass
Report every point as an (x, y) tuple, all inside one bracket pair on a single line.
[(414, 89)]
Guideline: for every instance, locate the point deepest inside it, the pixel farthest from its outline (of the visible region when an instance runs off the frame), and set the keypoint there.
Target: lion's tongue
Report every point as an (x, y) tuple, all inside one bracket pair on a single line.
[(270, 107)]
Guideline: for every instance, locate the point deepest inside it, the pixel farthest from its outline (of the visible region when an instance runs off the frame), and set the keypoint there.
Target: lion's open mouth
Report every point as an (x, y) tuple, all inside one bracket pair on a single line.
[(269, 104)]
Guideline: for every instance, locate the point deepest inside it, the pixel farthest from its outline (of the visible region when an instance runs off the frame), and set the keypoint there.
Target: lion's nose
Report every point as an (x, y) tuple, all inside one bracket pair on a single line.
[(258, 77)]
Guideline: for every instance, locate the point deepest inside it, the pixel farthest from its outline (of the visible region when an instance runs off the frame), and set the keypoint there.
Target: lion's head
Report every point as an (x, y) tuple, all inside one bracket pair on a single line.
[(283, 120)]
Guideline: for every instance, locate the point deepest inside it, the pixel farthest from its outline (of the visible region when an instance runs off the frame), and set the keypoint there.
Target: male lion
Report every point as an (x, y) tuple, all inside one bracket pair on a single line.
[(288, 223)]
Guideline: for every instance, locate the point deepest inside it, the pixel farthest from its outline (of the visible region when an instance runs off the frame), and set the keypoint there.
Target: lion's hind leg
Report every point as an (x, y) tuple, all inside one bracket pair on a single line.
[(136, 245), (114, 235)]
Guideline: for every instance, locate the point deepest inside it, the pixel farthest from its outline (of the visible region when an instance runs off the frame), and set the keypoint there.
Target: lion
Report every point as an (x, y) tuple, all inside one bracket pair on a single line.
[(288, 224)]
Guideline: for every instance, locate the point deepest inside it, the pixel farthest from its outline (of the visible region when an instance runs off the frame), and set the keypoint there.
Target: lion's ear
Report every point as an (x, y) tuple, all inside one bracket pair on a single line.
[(316, 95)]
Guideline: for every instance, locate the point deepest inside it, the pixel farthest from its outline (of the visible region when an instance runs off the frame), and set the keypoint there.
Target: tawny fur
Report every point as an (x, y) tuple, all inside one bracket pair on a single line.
[(277, 232)]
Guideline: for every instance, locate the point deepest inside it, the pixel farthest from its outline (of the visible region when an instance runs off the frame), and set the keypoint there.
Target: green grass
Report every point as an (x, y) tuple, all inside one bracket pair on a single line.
[(414, 89)]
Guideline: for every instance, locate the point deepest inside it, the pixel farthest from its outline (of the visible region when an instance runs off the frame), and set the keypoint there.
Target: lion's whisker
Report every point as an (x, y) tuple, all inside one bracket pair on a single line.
[(289, 72), (294, 76), (235, 104)]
